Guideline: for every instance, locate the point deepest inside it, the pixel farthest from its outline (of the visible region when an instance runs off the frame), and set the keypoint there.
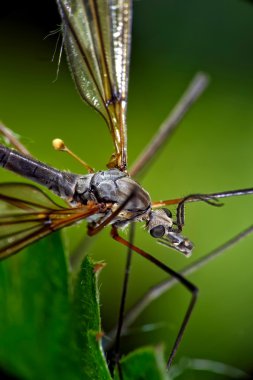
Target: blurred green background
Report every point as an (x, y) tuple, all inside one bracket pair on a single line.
[(210, 152)]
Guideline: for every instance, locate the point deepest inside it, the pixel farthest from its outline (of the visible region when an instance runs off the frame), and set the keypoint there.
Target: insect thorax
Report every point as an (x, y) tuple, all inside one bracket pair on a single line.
[(114, 186)]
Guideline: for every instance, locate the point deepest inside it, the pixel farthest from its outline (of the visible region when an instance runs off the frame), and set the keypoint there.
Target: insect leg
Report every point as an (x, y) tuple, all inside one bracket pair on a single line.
[(118, 329), (192, 93), (157, 290), (200, 197), (124, 291), (187, 284), (94, 230), (12, 139)]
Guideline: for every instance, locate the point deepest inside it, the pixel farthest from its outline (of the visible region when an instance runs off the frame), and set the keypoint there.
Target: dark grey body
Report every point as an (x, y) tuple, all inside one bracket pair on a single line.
[(110, 186)]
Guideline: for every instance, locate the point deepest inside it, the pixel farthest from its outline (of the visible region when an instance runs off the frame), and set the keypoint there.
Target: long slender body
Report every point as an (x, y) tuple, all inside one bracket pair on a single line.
[(110, 186), (61, 183)]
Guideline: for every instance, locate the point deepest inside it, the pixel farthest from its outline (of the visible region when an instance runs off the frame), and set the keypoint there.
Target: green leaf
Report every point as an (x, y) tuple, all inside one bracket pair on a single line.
[(88, 325), (45, 333), (144, 364), (34, 313)]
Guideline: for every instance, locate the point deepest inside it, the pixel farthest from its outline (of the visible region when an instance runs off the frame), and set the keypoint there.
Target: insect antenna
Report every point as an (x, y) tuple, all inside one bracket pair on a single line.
[(209, 199)]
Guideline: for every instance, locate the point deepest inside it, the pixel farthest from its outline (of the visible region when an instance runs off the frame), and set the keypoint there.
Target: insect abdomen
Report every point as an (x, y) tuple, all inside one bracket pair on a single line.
[(61, 183)]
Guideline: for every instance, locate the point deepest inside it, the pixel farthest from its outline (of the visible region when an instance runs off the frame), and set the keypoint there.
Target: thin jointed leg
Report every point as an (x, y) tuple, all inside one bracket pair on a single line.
[(11, 137), (188, 285), (159, 289), (124, 292), (122, 304)]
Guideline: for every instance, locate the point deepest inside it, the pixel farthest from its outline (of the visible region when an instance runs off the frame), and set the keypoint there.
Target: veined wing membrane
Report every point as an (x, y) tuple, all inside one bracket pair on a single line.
[(23, 220), (24, 196), (97, 38)]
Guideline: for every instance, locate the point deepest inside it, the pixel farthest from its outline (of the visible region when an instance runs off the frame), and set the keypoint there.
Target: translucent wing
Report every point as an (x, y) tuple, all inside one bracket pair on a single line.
[(97, 37), (30, 215)]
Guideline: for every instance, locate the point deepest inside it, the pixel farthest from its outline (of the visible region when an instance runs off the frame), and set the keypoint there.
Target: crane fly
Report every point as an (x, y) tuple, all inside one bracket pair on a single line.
[(97, 40)]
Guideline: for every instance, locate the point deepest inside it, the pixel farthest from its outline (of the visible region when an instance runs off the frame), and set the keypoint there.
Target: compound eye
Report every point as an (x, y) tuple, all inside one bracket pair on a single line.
[(157, 231), (167, 212)]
